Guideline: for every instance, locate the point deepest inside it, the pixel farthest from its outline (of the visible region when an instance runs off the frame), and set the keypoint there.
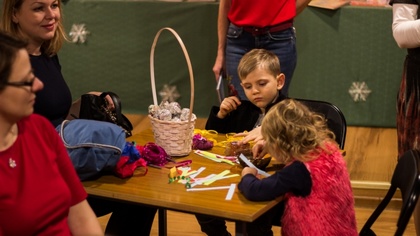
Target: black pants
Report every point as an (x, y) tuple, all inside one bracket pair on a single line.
[(126, 219), (213, 226)]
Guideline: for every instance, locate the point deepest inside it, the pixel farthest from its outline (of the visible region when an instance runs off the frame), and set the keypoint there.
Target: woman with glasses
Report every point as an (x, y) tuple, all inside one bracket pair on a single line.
[(40, 192), (40, 23)]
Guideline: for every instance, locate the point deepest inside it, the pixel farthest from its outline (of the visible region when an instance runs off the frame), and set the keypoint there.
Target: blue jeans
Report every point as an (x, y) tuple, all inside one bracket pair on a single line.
[(239, 42)]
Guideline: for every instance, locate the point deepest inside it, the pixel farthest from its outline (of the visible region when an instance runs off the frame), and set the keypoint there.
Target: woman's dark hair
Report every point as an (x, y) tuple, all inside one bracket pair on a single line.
[(9, 47)]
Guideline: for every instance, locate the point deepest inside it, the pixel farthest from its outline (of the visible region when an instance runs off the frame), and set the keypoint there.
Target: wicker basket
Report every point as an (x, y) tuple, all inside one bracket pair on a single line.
[(174, 137)]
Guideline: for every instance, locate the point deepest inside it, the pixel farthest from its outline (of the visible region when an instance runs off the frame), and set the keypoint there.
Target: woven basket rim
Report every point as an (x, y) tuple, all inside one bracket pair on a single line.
[(172, 122)]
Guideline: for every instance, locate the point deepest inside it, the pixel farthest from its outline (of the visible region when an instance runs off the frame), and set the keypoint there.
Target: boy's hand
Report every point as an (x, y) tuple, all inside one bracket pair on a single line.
[(228, 105), (249, 170)]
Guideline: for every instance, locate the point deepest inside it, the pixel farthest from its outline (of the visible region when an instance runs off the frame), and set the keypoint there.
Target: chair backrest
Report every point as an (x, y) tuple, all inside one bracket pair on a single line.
[(406, 177), (335, 119)]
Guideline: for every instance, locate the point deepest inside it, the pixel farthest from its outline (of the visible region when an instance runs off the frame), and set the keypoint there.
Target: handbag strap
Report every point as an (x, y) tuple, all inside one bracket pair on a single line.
[(121, 119), (117, 104)]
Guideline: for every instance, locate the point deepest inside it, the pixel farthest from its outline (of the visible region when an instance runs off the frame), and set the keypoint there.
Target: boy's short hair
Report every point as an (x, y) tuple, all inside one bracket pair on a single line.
[(259, 58)]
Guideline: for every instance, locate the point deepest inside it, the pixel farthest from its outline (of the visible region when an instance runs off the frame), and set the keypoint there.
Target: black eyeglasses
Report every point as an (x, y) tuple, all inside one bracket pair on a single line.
[(22, 83)]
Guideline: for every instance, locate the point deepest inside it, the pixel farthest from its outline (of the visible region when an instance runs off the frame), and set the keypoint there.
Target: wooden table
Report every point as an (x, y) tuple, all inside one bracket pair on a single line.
[(154, 190)]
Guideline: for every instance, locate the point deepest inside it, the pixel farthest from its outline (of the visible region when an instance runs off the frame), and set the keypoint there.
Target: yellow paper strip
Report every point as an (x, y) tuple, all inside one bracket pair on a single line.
[(213, 156), (207, 156), (218, 176), (206, 189)]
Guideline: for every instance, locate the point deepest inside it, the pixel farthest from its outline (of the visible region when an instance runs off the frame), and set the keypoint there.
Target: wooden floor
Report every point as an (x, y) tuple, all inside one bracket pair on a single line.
[(371, 158), (181, 224)]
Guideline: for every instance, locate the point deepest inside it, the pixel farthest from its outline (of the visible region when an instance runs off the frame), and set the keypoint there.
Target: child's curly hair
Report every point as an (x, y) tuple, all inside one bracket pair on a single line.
[(292, 131)]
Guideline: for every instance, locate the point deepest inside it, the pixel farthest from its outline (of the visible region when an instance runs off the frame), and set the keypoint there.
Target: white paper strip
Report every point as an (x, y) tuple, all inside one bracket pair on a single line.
[(231, 191), (249, 163), (217, 177), (206, 189), (198, 172), (199, 181)]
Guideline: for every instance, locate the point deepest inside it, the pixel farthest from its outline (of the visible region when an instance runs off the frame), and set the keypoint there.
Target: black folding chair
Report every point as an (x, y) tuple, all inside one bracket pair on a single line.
[(406, 177), (335, 119)]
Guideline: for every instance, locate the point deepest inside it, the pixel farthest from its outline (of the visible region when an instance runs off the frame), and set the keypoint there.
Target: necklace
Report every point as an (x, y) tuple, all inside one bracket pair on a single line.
[(13, 136), (12, 163)]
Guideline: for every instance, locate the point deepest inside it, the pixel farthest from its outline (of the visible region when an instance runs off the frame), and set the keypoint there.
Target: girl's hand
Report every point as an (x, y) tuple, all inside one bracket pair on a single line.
[(259, 149), (249, 170), (228, 105), (252, 136)]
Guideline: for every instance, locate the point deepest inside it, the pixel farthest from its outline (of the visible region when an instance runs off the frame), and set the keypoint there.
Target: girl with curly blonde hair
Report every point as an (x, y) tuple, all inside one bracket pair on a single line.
[(314, 184)]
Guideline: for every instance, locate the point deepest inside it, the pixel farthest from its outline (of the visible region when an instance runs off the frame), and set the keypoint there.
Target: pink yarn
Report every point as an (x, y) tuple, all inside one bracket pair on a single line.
[(201, 143), (155, 154)]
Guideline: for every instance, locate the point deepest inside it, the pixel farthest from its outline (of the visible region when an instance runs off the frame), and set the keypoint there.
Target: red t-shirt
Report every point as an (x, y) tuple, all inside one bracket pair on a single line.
[(261, 13), (35, 195)]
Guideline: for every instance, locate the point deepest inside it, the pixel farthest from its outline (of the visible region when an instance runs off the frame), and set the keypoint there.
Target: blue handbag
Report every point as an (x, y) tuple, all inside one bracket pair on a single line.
[(93, 146)]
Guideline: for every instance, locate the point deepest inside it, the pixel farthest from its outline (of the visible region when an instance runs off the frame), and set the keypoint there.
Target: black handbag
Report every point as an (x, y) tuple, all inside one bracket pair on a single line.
[(95, 107)]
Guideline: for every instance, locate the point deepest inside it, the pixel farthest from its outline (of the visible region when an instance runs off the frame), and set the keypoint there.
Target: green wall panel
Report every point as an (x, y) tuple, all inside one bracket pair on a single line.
[(335, 49), (352, 44), (117, 51)]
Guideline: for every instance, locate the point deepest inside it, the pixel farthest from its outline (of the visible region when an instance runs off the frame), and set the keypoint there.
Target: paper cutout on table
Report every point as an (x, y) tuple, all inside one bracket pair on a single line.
[(212, 177), (198, 152), (230, 192), (181, 175), (185, 175), (328, 4), (208, 188), (218, 176), (223, 177), (199, 181), (201, 169), (186, 171), (213, 157), (249, 163)]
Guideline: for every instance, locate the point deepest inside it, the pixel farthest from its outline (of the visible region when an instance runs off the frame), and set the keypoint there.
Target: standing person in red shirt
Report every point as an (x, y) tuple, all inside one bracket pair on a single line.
[(247, 24), (40, 192)]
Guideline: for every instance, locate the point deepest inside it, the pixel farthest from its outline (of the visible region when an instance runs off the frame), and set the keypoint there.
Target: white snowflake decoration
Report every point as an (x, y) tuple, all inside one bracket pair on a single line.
[(78, 33), (359, 91), (169, 93)]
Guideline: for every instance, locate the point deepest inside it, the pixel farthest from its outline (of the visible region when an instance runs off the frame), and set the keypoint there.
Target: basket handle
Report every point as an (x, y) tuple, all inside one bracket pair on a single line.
[(152, 67)]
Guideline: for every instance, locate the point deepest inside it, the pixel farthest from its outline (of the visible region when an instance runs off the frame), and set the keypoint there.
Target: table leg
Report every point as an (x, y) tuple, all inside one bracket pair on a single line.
[(240, 228), (163, 231)]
